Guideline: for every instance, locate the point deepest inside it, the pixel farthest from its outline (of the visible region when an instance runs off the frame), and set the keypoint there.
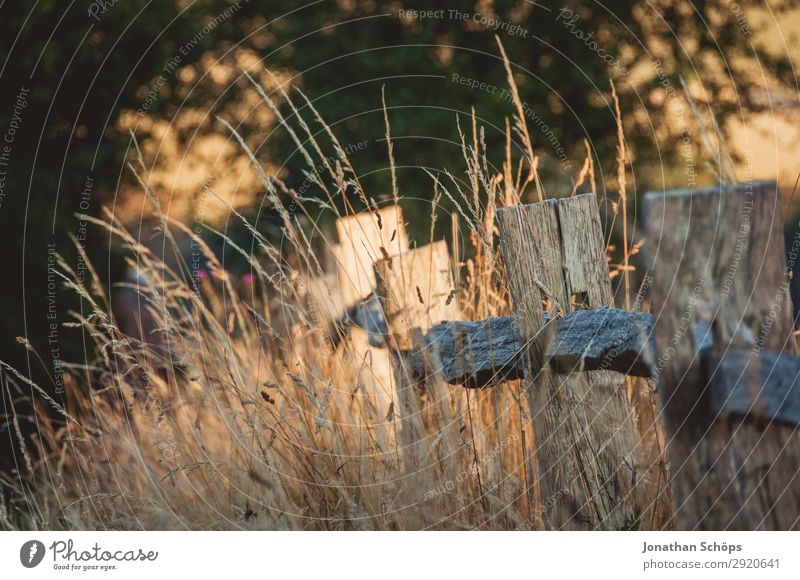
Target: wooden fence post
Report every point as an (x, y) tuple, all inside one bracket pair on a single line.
[(657, 505), (365, 238), (416, 290), (587, 444), (718, 257)]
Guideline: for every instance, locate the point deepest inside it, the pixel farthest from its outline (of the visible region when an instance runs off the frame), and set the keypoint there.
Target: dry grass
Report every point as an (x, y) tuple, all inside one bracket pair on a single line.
[(235, 412), (238, 412)]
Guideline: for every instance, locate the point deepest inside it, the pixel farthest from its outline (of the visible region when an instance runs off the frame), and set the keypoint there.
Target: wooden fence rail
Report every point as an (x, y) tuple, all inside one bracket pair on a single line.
[(488, 352), (719, 346)]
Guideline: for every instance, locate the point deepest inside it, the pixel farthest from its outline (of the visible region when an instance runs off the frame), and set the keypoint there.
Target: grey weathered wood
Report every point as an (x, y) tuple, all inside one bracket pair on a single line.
[(486, 352), (473, 354), (717, 255), (603, 339), (764, 387), (619, 340), (367, 315), (587, 445)]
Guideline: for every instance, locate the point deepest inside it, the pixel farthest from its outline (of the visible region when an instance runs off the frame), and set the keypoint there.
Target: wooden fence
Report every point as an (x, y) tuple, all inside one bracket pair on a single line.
[(718, 346)]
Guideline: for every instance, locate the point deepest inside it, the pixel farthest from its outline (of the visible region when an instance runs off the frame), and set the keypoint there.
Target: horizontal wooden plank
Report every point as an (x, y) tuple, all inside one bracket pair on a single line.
[(485, 352), (763, 385), (476, 354), (472, 353), (603, 339), (366, 314)]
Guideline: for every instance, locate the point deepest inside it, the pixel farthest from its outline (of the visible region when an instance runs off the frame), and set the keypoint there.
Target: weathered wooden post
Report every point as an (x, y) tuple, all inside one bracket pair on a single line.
[(657, 507), (718, 258), (587, 446), (365, 238), (416, 291)]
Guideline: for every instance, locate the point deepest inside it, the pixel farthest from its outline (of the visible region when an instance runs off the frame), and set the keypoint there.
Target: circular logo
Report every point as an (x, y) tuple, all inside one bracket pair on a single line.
[(31, 553)]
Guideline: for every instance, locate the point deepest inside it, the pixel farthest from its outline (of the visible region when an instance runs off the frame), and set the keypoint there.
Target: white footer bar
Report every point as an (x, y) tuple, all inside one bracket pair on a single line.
[(401, 555)]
